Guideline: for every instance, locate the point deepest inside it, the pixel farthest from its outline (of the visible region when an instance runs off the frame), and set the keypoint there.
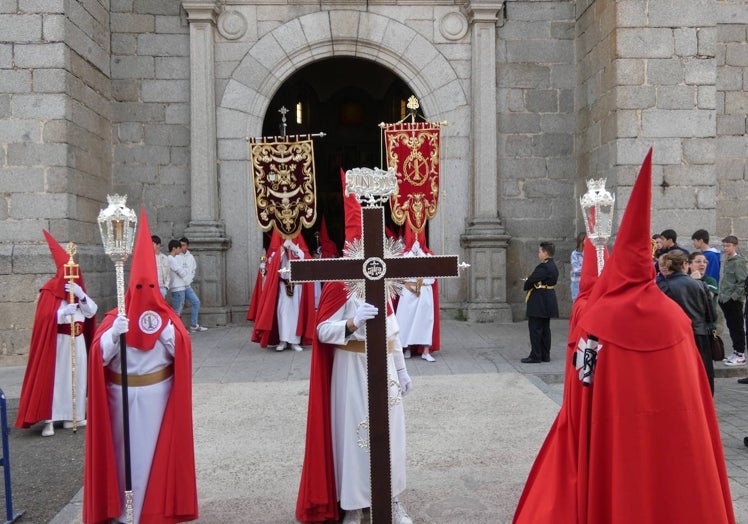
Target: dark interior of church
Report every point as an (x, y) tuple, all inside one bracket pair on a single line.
[(345, 98)]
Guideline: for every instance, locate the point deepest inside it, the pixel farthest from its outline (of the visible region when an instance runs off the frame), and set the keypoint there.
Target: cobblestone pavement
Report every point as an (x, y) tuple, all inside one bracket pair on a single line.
[(47, 473)]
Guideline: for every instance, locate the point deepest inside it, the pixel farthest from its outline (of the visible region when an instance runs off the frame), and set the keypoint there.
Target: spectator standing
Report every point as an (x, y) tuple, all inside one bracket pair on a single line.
[(732, 297), (47, 391), (162, 266), (694, 299), (190, 266), (577, 257), (542, 305), (700, 240), (670, 242)]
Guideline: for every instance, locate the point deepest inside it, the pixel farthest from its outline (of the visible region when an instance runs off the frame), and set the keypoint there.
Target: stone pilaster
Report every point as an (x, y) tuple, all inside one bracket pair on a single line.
[(485, 240), (206, 230)]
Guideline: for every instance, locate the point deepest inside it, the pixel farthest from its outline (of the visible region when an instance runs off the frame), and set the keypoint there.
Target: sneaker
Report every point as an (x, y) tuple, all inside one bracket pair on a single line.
[(428, 358), (352, 516), (48, 429), (281, 346), (198, 327), (68, 424), (736, 360), (406, 353), (399, 515), (297, 347), (726, 359)]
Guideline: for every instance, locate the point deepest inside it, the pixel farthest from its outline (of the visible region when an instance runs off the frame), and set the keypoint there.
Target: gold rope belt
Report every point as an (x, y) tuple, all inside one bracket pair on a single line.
[(414, 288), (359, 346), (136, 381)]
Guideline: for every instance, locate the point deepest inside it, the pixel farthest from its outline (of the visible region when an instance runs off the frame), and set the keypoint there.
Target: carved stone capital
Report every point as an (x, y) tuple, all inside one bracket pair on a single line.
[(485, 11), (206, 12)]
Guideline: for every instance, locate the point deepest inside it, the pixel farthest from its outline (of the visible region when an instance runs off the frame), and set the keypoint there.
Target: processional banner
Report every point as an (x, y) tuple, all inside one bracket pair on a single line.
[(285, 191), (413, 151)]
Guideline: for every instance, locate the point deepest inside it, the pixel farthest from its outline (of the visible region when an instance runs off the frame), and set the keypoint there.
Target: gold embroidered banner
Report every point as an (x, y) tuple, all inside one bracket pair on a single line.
[(285, 192), (413, 150)]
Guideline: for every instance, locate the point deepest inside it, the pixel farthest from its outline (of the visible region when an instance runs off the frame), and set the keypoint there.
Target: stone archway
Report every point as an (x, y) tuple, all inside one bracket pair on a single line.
[(275, 57)]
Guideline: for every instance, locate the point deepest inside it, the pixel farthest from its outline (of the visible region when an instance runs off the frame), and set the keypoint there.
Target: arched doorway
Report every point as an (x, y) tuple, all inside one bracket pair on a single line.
[(346, 98)]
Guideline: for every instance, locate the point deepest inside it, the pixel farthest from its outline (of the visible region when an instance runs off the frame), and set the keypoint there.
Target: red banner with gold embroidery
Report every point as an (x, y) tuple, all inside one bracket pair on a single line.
[(285, 192), (413, 150)]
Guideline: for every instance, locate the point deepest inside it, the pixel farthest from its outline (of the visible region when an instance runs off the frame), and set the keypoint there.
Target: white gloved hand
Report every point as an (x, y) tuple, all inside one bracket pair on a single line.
[(405, 383), (69, 309), (364, 312), (77, 290), (298, 251), (119, 326)]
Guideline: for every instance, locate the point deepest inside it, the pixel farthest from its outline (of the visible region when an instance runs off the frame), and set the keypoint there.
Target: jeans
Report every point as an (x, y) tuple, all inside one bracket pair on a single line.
[(177, 302)]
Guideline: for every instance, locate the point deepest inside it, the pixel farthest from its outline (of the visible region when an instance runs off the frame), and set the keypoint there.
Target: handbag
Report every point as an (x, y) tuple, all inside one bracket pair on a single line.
[(718, 347)]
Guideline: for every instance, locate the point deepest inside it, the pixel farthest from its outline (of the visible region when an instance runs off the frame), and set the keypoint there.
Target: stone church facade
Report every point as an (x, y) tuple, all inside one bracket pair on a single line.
[(156, 99)]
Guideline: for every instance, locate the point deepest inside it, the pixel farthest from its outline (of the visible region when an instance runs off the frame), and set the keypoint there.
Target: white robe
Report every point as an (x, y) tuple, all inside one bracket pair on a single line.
[(146, 410), (349, 408), (287, 310), (415, 314), (62, 398)]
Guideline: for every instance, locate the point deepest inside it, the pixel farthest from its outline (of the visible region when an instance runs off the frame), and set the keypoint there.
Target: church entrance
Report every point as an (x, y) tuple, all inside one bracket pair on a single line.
[(345, 98)]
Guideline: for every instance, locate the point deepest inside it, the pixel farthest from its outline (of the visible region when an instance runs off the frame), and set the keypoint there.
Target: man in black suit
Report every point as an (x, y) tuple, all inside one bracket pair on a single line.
[(542, 305)]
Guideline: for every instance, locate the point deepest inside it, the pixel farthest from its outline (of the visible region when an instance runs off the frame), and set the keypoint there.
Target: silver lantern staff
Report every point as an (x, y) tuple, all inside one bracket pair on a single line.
[(117, 225), (597, 207)]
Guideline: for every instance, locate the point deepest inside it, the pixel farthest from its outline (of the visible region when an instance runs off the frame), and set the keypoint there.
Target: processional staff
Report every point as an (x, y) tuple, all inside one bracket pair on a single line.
[(71, 273), (597, 207), (117, 226)]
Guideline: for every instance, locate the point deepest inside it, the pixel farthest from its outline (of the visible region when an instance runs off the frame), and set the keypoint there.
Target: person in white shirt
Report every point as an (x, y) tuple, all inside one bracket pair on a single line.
[(162, 265), (190, 266)]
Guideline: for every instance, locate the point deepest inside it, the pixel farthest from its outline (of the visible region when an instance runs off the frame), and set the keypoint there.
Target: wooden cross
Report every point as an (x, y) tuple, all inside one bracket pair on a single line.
[(374, 269)]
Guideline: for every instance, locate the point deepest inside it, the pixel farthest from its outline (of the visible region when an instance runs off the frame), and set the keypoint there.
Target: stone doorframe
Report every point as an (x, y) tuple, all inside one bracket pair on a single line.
[(278, 54)]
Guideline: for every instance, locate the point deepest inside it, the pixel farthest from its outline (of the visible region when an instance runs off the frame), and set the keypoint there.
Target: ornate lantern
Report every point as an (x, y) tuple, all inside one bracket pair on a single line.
[(597, 207), (117, 226)]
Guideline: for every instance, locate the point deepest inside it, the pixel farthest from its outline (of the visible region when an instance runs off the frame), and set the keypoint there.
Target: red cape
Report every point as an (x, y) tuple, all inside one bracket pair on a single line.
[(35, 403), (172, 488), (265, 330), (255, 300), (318, 497)]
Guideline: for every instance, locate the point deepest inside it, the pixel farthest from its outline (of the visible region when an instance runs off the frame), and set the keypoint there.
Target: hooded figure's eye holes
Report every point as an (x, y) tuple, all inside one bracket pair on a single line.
[(138, 286)]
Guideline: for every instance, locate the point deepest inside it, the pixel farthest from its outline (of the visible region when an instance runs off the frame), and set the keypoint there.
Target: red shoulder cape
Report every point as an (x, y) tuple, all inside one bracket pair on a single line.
[(172, 488), (318, 498), (35, 403), (265, 330)]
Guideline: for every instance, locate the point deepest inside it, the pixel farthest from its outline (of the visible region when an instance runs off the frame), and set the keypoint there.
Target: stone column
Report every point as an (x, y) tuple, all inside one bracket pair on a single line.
[(206, 230), (485, 240)]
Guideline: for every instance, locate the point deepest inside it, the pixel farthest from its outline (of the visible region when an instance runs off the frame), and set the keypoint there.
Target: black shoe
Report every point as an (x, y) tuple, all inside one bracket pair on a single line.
[(745, 441), (546, 359), (530, 360), (743, 380)]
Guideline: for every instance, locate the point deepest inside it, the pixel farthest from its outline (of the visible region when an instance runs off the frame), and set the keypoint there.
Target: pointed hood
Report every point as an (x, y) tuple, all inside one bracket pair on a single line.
[(56, 285), (146, 309), (58, 253), (329, 249), (352, 208), (626, 306)]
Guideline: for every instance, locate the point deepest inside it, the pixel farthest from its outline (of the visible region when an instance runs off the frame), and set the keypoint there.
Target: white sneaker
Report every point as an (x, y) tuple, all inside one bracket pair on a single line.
[(297, 347), (352, 516), (736, 360), (49, 429), (406, 353), (399, 515), (198, 327), (68, 424), (730, 357), (281, 346), (428, 358)]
